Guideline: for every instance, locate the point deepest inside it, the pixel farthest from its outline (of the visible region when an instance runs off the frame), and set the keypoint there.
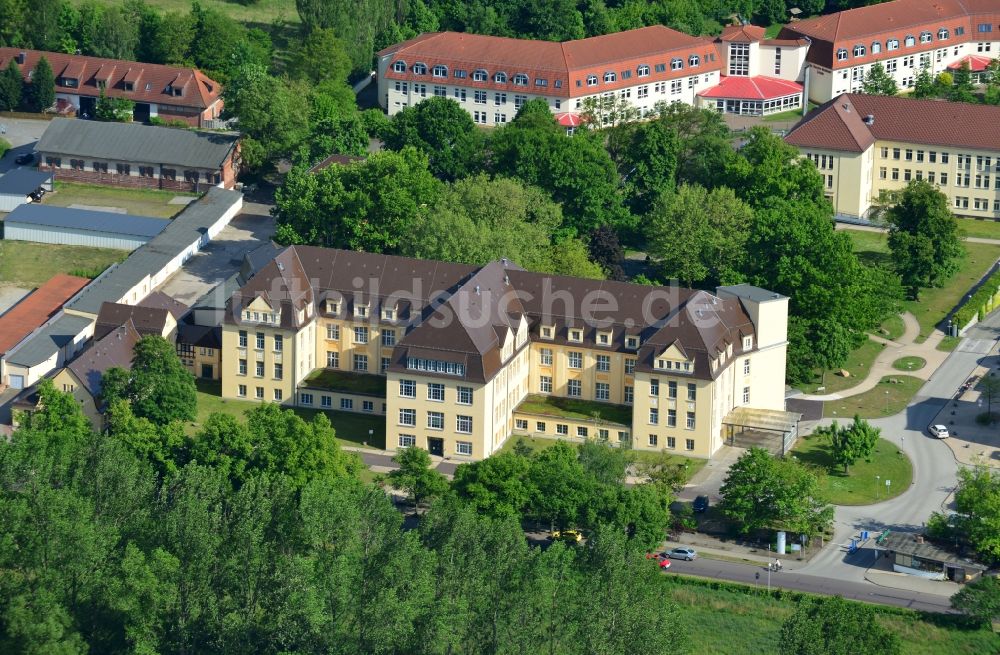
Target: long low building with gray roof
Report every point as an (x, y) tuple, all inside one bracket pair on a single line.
[(81, 227), (127, 283), (135, 155)]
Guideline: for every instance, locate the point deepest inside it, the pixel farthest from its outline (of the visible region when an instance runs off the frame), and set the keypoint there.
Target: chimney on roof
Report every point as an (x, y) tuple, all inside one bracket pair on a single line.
[(281, 266), (21, 58), (506, 279), (477, 289), (870, 120), (846, 107), (920, 538)]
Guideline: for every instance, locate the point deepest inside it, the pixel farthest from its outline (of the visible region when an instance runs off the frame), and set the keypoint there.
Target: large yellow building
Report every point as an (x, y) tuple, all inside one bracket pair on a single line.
[(863, 145), (458, 358)]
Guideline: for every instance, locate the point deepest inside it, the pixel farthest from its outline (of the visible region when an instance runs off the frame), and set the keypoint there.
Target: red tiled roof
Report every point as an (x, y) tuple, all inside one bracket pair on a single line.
[(977, 63), (928, 122), (759, 87), (150, 80), (742, 33), (563, 66), (896, 19), (569, 119), (32, 312)]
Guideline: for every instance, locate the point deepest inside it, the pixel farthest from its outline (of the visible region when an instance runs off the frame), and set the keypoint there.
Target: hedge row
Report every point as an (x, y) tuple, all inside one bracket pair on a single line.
[(982, 302)]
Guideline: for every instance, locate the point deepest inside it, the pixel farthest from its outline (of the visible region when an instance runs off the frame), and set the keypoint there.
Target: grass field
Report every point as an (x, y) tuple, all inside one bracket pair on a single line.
[(352, 429), (27, 264), (911, 363), (346, 381), (858, 363), (859, 486), (885, 399), (141, 202), (934, 304), (892, 327), (264, 12), (725, 622), (981, 229)]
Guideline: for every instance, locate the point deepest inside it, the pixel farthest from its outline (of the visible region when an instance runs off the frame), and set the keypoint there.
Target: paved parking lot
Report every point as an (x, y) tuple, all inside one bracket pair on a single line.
[(10, 296), (222, 257), (21, 133)]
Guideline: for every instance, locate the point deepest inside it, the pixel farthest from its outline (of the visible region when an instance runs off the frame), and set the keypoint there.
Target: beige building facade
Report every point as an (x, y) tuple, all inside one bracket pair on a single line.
[(458, 358), (864, 146)]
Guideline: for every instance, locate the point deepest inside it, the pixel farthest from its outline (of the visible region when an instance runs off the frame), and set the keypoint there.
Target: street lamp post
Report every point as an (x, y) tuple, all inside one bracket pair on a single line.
[(886, 402), (878, 479)]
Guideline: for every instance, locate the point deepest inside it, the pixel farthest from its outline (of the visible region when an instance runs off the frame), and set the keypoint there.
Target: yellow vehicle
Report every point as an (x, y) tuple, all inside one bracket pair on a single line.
[(569, 536)]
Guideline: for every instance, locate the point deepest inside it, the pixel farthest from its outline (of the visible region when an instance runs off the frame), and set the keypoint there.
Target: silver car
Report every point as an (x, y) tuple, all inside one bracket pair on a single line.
[(684, 553), (939, 431)]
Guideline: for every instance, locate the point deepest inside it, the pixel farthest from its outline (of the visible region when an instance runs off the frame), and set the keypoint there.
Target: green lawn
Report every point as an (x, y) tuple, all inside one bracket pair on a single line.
[(728, 622), (790, 115), (858, 363), (934, 304), (859, 486), (885, 399), (892, 328), (346, 381), (141, 202), (262, 12), (27, 264), (771, 31), (911, 363), (949, 343), (980, 229), (570, 408), (352, 429)]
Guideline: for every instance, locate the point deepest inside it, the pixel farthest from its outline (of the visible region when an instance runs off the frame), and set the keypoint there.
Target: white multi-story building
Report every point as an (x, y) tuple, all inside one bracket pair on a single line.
[(492, 77), (903, 35)]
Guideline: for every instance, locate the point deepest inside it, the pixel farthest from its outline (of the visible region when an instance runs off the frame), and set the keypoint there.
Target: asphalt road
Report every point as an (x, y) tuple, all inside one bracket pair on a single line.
[(934, 465), (797, 581)]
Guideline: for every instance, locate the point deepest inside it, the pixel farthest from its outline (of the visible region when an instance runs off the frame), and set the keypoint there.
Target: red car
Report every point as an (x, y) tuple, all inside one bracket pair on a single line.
[(661, 559)]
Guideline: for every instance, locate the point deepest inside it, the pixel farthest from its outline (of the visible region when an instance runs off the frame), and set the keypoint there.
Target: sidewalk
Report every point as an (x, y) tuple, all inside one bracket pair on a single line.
[(712, 548), (905, 346), (885, 577), (969, 441)]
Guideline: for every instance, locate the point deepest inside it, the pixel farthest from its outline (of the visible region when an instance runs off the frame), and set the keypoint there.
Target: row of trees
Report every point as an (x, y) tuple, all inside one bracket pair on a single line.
[(132, 30), (257, 536), (369, 25), (958, 87)]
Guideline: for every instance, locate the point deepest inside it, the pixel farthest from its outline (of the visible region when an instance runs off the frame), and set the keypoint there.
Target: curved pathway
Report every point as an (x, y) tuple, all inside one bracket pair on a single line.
[(904, 346)]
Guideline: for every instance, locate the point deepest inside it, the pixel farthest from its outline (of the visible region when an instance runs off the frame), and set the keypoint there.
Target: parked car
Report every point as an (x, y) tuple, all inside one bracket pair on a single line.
[(569, 536), (662, 559), (26, 158), (701, 504), (939, 431), (684, 553)]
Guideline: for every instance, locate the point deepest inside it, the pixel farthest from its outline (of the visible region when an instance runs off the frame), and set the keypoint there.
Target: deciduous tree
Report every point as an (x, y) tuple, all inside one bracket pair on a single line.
[(833, 626), (851, 442), (11, 83), (980, 599), (443, 131), (416, 476), (158, 386), (879, 83)]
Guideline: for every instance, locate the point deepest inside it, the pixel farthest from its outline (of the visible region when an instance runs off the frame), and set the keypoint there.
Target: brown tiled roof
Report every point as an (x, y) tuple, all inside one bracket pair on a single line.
[(564, 63), (150, 81), (742, 33), (342, 160), (114, 350), (836, 125), (160, 300), (146, 320), (36, 308), (445, 304), (928, 122)]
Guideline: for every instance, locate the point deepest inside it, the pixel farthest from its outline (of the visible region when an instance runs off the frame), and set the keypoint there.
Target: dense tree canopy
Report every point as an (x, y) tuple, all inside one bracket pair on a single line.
[(158, 386), (977, 518), (851, 442), (834, 626)]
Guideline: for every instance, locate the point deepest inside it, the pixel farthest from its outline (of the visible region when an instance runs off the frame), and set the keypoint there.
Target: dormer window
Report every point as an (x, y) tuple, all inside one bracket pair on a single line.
[(925, 37), (547, 331), (841, 54), (909, 41), (632, 343), (479, 75), (591, 80), (576, 335), (419, 69), (747, 343), (128, 86), (859, 50), (603, 338), (389, 314), (520, 80), (609, 77), (440, 71), (102, 84), (892, 44), (500, 78), (693, 60), (676, 64), (332, 307), (643, 70), (361, 311), (70, 82), (943, 34), (399, 67), (876, 47)]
